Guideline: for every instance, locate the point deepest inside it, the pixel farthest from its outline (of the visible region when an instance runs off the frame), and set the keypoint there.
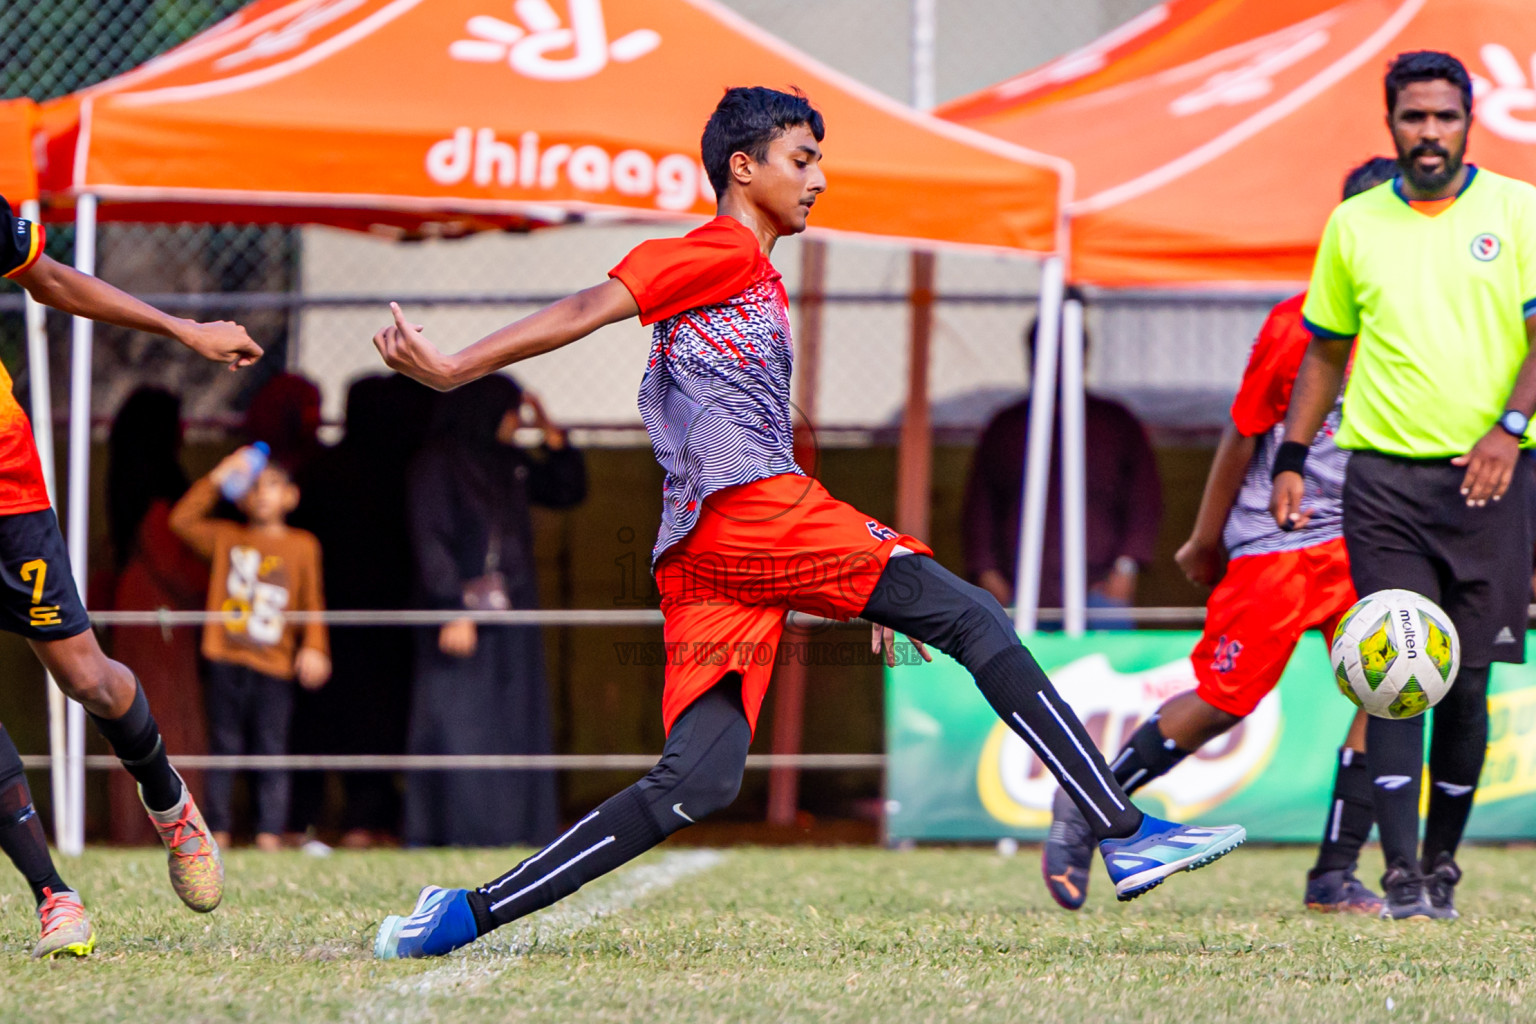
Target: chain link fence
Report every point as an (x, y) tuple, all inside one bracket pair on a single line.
[(313, 297)]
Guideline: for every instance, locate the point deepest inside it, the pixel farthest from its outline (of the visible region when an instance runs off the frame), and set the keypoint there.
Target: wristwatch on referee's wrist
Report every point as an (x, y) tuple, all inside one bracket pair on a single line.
[(1514, 423)]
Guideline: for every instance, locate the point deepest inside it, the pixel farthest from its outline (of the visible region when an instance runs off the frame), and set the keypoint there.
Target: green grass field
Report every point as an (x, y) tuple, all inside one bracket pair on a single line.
[(778, 935)]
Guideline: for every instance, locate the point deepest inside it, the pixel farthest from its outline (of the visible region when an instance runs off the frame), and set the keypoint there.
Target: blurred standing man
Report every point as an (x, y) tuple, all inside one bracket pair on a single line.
[(1436, 273), (1125, 505)]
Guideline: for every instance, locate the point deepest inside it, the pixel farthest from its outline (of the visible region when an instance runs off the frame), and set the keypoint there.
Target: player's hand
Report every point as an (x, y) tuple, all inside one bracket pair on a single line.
[(312, 667), (404, 350), (458, 639), (221, 341), (1490, 467), (1200, 561), (1285, 502), (885, 638)]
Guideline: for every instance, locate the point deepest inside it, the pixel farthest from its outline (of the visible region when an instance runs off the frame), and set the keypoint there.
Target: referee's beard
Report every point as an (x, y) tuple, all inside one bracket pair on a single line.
[(1431, 181)]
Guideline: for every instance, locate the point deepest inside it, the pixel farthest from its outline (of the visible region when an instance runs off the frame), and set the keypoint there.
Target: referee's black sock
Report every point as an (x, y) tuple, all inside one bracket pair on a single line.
[(1149, 755), (21, 831), (1396, 750), (135, 739), (1350, 814), (1457, 747)]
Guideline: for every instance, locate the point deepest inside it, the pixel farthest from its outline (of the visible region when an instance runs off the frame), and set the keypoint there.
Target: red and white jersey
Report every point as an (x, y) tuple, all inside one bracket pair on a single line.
[(1259, 411), (715, 396)]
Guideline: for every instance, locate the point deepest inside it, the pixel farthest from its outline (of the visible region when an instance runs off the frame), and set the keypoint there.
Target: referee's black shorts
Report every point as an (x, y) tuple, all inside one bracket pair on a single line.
[(1407, 526)]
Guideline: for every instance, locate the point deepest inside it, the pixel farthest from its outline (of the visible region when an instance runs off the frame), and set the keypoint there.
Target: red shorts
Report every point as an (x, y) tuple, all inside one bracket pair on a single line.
[(758, 551), (1256, 615)]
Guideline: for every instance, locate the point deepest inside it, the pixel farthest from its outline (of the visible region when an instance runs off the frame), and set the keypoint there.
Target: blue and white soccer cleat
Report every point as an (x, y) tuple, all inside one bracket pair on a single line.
[(1142, 861), (440, 923)]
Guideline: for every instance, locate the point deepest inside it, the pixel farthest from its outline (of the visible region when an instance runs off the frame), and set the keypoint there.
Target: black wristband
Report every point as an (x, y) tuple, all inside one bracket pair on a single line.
[(1290, 458)]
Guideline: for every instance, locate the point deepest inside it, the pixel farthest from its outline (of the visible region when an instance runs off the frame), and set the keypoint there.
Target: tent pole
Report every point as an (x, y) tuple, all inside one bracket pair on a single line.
[(1037, 457), (42, 434), (914, 463), (79, 499), (1074, 526), (789, 675)]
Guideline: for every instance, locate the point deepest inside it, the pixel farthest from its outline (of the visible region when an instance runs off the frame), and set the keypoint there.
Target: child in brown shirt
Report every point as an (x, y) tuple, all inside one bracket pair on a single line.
[(262, 569)]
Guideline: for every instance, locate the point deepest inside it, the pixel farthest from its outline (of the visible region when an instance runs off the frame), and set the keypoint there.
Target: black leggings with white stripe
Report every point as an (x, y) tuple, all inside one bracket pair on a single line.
[(701, 766)]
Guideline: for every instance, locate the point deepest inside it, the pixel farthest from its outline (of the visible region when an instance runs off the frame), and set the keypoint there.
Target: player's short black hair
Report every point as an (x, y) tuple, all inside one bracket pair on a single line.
[(1427, 66), (746, 120), (1368, 175)]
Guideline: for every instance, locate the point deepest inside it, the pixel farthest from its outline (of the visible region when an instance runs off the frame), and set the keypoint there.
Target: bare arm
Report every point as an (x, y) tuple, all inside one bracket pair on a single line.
[(1316, 391), (67, 290), (571, 319), (190, 520), (1492, 461), (1200, 555)]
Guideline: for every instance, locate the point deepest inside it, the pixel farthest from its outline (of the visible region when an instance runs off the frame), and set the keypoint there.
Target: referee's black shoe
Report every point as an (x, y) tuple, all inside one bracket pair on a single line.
[(1403, 895), (1440, 880)]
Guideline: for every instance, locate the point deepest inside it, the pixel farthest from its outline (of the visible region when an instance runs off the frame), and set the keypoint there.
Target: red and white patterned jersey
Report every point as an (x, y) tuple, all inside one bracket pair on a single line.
[(1259, 411), (715, 396)]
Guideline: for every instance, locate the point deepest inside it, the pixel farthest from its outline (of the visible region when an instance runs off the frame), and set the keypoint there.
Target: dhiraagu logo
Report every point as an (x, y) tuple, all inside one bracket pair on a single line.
[(1017, 789)]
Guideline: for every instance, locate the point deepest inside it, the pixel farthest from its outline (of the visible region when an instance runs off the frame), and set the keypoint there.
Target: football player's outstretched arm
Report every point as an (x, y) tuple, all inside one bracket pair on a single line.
[(67, 290), (1316, 391), (574, 317)]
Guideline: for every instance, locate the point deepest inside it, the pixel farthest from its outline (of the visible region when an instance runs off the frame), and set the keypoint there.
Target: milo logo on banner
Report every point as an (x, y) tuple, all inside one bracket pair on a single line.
[(1016, 788)]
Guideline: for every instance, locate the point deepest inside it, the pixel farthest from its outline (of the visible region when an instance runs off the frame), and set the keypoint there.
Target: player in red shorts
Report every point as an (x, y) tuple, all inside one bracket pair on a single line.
[(746, 537), (1277, 585)]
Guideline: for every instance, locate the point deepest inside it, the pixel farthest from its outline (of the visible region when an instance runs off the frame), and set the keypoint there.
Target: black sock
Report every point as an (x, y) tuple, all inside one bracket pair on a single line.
[(1458, 744), (1396, 751), (620, 830), (919, 597), (1149, 755), (1350, 814), (135, 739), (699, 773), (1024, 697), (21, 832)]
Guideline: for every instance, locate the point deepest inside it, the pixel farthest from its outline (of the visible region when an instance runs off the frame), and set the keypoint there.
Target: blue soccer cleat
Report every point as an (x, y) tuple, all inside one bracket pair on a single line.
[(440, 923), (1142, 861)]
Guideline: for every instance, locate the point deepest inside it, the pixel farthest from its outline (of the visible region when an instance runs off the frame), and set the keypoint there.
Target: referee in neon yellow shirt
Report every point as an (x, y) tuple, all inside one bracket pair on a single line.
[(1436, 274)]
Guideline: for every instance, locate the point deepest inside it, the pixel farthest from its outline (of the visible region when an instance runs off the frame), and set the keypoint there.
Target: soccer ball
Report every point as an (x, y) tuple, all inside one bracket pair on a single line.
[(1395, 654)]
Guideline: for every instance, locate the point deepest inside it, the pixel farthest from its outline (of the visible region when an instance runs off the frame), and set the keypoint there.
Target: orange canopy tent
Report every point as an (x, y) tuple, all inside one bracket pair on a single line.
[(368, 110), (18, 175), (1209, 138)]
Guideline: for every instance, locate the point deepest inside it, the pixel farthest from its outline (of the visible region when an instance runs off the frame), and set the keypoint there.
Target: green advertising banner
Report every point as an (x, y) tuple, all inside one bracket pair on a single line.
[(958, 773)]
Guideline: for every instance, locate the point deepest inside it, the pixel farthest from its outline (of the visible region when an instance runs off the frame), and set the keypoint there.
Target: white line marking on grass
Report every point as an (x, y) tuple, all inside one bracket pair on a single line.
[(479, 965)]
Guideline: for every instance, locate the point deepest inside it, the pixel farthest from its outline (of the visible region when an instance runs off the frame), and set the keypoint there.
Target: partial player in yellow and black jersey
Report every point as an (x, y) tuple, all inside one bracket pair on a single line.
[(39, 601)]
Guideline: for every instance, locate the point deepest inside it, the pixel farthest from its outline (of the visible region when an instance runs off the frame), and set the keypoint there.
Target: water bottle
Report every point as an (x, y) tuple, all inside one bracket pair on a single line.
[(255, 460)]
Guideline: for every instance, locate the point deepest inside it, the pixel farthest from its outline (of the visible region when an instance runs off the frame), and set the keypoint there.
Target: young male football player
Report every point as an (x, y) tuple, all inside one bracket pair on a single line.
[(746, 536), (38, 601), (1277, 585)]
